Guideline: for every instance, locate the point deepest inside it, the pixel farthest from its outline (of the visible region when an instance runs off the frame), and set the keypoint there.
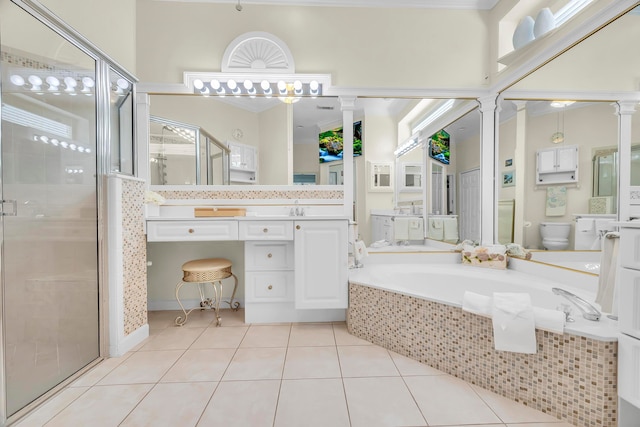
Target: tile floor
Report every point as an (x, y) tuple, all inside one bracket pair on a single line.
[(271, 375)]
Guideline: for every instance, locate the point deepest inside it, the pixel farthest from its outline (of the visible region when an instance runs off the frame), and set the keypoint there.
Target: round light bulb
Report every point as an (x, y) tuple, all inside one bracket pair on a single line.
[(73, 147), (64, 144), (248, 84), (122, 84), (55, 142), (44, 139), (52, 82), (231, 84), (297, 85), (35, 80), (70, 82), (198, 84), (215, 84), (88, 82), (265, 85), (282, 86), (314, 85), (17, 80)]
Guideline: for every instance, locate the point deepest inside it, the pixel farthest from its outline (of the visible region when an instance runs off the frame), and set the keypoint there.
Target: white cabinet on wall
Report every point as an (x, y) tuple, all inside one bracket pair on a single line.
[(557, 165), (381, 228), (243, 164), (321, 264)]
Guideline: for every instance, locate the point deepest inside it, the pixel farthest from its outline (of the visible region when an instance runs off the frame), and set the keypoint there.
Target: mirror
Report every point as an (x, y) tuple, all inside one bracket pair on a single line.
[(531, 126), (411, 176), (437, 189), (380, 176)]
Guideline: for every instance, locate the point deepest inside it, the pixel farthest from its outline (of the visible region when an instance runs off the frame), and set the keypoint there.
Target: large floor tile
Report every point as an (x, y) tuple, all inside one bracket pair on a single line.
[(557, 424), (310, 403), (51, 408), (200, 365), (142, 367), (256, 364), (232, 317), (309, 334), (311, 362), (173, 338), (366, 361), (343, 337), (221, 337), (446, 400), (99, 371), (101, 406), (266, 336), (512, 412), (242, 404), (178, 404), (381, 402), (408, 366)]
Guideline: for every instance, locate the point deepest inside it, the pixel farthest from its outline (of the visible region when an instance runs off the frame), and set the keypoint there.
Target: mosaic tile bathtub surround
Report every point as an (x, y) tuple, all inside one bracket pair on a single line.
[(572, 378), (134, 247)]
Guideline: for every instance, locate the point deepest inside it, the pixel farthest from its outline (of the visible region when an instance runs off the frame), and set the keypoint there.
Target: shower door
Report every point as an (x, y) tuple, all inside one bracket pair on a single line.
[(49, 258)]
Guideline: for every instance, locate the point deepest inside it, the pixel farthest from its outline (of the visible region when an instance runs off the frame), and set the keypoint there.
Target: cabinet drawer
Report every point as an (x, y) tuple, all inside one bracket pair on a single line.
[(266, 230), (629, 369), (180, 231), (630, 248), (268, 256), (629, 302), (274, 286)]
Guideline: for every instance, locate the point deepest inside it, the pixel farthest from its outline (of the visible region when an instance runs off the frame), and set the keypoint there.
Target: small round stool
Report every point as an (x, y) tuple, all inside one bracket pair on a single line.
[(201, 271)]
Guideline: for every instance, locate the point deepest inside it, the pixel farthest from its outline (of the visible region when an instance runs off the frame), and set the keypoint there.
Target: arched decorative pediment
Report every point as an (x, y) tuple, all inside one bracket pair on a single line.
[(257, 52)]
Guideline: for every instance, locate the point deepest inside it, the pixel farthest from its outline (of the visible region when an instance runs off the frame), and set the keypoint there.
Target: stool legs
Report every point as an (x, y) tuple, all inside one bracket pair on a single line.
[(234, 306), (213, 304)]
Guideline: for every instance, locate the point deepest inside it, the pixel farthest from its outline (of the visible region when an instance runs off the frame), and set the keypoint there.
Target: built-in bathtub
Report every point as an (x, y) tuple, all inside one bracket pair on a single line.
[(414, 308)]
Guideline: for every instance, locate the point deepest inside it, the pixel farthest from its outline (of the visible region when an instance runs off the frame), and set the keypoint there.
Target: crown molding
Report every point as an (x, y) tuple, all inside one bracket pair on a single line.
[(398, 4)]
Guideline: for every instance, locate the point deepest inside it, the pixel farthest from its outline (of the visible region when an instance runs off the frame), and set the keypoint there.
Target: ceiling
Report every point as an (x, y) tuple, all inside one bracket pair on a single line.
[(416, 4)]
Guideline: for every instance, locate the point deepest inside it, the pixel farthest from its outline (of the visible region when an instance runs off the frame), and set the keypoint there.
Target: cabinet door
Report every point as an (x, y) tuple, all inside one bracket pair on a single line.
[(547, 160), (566, 159), (249, 158), (320, 264), (237, 154)]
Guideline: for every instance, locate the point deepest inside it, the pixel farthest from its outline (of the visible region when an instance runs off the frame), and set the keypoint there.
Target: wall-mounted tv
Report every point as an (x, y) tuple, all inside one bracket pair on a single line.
[(330, 143), (439, 147)]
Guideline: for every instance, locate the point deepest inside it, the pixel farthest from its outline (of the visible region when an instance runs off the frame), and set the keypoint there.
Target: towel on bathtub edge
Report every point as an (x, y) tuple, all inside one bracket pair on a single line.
[(514, 327)]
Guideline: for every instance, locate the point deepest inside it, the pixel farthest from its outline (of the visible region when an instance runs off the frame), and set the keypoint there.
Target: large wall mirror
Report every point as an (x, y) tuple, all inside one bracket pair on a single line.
[(558, 160)]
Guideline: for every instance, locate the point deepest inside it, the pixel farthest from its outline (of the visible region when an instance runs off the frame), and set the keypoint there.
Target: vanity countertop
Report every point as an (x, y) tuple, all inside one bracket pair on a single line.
[(249, 218)]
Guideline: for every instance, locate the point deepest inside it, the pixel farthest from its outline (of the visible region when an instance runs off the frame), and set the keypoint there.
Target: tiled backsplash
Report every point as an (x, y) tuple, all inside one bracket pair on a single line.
[(251, 194), (572, 378)]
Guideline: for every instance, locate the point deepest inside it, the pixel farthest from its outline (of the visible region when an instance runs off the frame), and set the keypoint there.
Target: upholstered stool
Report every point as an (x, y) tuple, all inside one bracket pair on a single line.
[(201, 271)]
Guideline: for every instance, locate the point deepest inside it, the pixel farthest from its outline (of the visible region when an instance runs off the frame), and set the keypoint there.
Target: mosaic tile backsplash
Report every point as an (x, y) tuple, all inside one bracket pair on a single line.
[(572, 378), (251, 194), (134, 246)]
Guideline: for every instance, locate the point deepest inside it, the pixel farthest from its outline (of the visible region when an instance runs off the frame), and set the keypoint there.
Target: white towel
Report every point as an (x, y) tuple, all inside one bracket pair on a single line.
[(514, 327), (450, 230), (436, 231), (545, 319), (477, 304), (416, 229), (607, 276), (401, 228), (360, 250)]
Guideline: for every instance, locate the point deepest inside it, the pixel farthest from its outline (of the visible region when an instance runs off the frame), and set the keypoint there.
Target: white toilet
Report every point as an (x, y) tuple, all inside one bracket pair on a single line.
[(555, 235)]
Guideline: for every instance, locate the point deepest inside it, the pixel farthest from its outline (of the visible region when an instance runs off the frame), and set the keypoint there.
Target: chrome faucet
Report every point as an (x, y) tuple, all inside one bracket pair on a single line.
[(589, 312)]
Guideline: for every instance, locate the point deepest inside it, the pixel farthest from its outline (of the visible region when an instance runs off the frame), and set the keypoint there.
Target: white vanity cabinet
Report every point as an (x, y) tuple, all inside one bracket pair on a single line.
[(381, 228), (629, 322), (321, 264)]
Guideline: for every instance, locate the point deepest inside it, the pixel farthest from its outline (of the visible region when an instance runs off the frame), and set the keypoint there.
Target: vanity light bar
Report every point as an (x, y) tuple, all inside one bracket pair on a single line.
[(41, 84), (62, 144), (256, 87), (433, 116), (412, 143), (569, 10), (28, 119)]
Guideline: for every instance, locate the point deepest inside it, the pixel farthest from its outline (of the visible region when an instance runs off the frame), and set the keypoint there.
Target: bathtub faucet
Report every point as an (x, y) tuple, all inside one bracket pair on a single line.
[(589, 312)]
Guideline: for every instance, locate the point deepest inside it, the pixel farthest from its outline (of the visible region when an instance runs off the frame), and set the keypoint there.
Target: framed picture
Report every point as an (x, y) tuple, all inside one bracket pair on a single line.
[(508, 162), (508, 178)]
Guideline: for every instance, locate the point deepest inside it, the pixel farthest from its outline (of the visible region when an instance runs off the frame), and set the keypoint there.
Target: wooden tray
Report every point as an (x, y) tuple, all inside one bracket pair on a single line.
[(210, 212)]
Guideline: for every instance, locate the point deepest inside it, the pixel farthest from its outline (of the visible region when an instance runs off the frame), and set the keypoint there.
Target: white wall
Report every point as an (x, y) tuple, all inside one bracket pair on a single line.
[(305, 159), (110, 25), (362, 47), (273, 146)]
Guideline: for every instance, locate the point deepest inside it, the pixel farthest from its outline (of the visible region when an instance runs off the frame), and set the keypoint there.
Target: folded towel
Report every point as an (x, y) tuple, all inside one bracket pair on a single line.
[(545, 319), (450, 230), (416, 229), (435, 233), (514, 327), (436, 223), (477, 304), (401, 228), (360, 250)]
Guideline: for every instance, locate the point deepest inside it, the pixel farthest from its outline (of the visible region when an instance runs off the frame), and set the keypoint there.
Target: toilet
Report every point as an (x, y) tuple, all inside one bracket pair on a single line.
[(555, 235)]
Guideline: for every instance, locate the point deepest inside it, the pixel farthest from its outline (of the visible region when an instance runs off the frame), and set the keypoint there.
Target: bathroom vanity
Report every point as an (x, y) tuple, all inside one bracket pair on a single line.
[(295, 267)]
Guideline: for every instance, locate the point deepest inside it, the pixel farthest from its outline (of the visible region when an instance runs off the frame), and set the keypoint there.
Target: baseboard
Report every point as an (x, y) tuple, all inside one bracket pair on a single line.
[(172, 304), (129, 342)]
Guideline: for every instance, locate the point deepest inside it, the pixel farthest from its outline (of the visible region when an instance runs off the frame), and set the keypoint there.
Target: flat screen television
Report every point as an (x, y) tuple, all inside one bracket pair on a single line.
[(439, 147), (330, 143)]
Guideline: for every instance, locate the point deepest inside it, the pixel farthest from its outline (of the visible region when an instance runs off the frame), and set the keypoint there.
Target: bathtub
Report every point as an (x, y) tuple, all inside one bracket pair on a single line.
[(585, 261), (414, 308)]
